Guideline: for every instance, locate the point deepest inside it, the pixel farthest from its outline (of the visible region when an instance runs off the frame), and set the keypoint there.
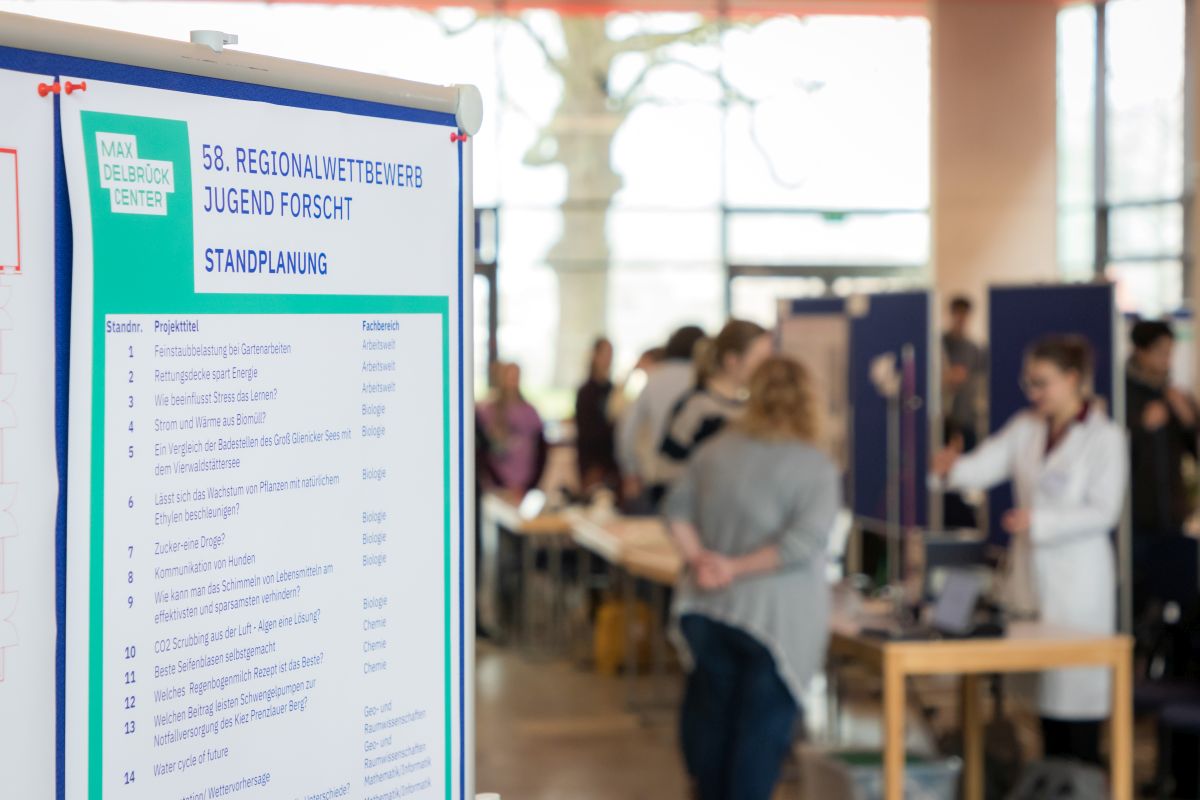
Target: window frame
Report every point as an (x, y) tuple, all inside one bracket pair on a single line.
[(1102, 207)]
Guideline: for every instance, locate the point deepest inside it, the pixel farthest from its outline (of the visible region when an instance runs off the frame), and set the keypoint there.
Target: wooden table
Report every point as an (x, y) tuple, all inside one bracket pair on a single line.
[(1028, 647), (641, 549), (542, 532), (640, 545), (503, 510)]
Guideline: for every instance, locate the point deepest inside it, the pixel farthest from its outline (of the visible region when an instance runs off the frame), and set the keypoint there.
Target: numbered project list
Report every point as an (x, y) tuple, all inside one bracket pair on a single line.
[(274, 546)]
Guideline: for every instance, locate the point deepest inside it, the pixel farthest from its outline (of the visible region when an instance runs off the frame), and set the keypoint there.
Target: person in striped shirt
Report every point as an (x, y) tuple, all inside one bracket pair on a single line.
[(724, 366)]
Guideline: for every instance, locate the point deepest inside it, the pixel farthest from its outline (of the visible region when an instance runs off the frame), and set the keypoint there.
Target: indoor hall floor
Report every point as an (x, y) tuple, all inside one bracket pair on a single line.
[(549, 730), (546, 730)]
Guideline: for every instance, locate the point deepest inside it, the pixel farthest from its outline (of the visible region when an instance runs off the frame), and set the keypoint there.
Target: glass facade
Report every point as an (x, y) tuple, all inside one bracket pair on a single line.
[(1121, 214)]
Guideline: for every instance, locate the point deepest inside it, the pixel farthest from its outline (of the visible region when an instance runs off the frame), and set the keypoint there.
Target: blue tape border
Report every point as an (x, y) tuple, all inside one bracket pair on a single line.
[(462, 494), (64, 245), (38, 63)]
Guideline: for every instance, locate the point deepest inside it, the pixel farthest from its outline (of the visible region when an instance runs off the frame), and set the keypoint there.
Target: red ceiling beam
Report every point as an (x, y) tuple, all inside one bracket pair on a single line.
[(732, 8)]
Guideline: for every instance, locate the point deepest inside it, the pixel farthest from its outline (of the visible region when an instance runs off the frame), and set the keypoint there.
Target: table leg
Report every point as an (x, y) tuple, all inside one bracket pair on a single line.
[(508, 586), (557, 598), (528, 565), (580, 641), (630, 601), (972, 729), (893, 728), (833, 698), (487, 586), (660, 640), (1121, 727)]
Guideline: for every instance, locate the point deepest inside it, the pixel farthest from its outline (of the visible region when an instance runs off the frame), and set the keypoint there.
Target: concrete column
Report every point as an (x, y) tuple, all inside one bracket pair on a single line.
[(994, 98)]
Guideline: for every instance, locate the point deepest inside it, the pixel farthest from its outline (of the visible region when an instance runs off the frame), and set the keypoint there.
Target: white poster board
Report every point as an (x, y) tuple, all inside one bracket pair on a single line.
[(265, 488), (28, 478)]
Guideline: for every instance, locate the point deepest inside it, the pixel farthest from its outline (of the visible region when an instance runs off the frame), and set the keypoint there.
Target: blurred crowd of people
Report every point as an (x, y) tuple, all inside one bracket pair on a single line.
[(719, 438)]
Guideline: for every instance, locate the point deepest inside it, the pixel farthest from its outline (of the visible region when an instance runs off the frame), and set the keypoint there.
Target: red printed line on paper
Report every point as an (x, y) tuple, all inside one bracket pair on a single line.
[(14, 268)]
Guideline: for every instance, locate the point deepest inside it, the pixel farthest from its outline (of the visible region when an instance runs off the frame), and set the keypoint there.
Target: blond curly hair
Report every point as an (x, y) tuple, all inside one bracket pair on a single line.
[(781, 404)]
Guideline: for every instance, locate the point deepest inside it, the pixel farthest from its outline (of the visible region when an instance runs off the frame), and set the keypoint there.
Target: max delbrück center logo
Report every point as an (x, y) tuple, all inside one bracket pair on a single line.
[(136, 185)]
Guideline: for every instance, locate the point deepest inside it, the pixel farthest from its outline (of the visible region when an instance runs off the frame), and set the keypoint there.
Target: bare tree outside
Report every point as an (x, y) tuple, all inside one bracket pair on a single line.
[(584, 53)]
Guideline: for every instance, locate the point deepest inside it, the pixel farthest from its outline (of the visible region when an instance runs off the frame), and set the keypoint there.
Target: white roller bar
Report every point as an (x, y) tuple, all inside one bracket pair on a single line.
[(204, 59)]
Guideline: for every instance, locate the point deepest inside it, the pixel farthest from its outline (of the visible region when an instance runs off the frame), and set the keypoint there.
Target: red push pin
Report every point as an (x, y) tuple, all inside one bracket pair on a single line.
[(76, 87), (458, 137), (48, 88)]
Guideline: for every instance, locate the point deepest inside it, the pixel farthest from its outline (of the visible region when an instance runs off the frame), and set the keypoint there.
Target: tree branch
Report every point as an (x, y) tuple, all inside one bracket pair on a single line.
[(644, 42), (766, 155), (450, 31), (628, 100), (731, 93), (551, 60), (624, 99), (651, 45)]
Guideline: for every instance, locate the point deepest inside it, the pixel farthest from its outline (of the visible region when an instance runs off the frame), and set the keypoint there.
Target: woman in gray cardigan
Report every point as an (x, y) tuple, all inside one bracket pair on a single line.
[(751, 517)]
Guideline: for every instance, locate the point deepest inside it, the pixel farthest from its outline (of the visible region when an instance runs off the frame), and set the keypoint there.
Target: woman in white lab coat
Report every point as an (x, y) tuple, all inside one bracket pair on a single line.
[(1068, 464)]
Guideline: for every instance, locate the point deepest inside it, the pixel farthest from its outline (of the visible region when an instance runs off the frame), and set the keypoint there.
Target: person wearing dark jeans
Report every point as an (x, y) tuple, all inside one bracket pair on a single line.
[(738, 714), (751, 516)]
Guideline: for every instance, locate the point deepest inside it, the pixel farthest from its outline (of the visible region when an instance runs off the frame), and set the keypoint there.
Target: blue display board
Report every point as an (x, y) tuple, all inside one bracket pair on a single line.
[(884, 325), (816, 305), (1019, 316)]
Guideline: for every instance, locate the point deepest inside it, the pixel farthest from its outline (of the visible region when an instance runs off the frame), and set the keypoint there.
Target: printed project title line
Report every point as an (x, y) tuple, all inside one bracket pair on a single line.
[(144, 186), (291, 204)]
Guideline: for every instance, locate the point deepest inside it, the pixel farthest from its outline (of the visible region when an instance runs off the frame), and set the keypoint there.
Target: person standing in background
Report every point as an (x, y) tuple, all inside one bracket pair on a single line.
[(628, 391), (1067, 461), (723, 370), (1162, 423), (751, 516), (963, 376), (646, 420), (595, 433), (1162, 432), (510, 438)]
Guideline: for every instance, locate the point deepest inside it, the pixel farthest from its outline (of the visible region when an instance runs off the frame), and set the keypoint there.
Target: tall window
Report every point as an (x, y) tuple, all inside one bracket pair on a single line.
[(1121, 149), (826, 158)]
